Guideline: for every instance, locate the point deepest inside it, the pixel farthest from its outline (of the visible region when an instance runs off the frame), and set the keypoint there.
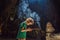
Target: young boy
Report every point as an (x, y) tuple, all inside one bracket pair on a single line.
[(23, 29)]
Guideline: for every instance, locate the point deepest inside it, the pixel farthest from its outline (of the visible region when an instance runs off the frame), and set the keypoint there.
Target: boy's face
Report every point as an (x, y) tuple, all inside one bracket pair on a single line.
[(29, 23)]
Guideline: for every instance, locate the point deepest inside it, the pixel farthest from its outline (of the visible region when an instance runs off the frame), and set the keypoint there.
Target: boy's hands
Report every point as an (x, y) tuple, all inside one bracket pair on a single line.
[(29, 29)]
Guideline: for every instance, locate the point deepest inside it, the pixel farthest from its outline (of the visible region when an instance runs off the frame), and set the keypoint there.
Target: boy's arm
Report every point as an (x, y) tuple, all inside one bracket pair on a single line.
[(26, 30), (23, 28)]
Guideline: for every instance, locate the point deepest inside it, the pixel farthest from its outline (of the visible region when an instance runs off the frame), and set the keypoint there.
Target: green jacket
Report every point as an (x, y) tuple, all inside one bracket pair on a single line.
[(21, 34)]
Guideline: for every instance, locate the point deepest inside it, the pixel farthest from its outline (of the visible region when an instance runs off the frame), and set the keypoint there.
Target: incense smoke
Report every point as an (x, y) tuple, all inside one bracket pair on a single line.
[(25, 12)]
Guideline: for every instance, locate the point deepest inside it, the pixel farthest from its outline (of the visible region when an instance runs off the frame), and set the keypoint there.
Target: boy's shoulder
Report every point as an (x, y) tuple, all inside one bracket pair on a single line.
[(23, 23)]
